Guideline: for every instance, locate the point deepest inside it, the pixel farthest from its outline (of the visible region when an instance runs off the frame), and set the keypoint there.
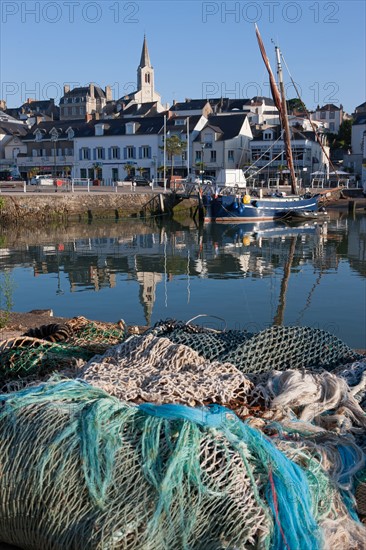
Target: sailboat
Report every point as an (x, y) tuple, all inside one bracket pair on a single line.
[(235, 207)]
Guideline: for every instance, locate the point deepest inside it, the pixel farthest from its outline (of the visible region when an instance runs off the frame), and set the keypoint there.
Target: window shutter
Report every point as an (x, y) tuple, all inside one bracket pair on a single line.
[(125, 152), (134, 152), (149, 152), (94, 154), (140, 152), (80, 154), (103, 153), (110, 153), (118, 152)]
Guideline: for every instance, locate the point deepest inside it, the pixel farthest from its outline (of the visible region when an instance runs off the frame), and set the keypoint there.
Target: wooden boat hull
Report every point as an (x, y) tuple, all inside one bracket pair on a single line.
[(230, 208)]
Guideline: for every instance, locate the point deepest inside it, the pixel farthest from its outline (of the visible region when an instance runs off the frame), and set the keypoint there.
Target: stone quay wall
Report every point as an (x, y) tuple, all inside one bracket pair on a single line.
[(42, 208)]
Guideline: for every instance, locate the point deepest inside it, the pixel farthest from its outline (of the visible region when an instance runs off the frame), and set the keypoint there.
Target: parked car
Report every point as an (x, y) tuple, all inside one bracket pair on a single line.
[(6, 175), (44, 179), (138, 180)]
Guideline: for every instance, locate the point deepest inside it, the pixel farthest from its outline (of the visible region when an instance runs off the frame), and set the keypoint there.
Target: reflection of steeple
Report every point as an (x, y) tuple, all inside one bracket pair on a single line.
[(147, 291)]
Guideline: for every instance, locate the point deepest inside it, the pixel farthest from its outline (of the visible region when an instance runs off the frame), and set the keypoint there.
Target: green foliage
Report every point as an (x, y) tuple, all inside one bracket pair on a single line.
[(295, 104), (345, 133), (343, 139), (6, 297), (128, 167), (174, 146)]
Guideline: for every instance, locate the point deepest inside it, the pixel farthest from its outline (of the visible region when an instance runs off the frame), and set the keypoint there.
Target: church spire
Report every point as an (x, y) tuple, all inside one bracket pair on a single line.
[(145, 58)]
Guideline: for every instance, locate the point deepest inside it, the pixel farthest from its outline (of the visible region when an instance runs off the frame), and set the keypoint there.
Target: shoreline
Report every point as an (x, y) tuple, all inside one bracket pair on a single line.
[(19, 322)]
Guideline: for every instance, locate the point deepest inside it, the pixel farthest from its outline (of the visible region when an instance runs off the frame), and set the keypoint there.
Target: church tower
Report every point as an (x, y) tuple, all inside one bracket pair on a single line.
[(145, 78)]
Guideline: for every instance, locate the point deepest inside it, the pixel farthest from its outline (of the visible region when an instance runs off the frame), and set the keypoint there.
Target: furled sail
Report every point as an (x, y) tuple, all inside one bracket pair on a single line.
[(281, 106)]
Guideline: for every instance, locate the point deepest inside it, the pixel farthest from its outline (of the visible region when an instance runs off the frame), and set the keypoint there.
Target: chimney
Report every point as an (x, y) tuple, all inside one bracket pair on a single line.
[(108, 93), (66, 89), (88, 117), (91, 90), (2, 104), (39, 119)]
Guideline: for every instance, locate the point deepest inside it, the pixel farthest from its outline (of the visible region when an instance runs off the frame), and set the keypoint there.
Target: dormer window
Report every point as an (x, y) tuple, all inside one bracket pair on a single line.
[(70, 133), (38, 135), (268, 135), (131, 128), (99, 129), (179, 122)]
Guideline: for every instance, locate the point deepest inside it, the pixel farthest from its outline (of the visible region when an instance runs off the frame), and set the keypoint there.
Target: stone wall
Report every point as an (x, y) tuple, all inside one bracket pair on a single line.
[(74, 206)]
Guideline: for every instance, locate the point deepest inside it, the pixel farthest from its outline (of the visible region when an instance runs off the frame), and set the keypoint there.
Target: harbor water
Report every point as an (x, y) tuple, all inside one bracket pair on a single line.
[(244, 276)]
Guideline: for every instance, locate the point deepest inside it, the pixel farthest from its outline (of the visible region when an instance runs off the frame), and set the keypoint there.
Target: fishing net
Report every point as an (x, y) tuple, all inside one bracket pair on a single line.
[(96, 336), (105, 474), (148, 368), (60, 347), (32, 357), (276, 348), (360, 493)]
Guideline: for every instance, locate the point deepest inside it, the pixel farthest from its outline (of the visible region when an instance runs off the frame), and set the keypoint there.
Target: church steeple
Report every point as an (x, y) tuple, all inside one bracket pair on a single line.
[(145, 78), (145, 58), (145, 92)]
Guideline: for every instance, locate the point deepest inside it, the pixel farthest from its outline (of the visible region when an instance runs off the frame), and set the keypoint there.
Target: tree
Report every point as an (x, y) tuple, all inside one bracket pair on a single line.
[(174, 146), (128, 167), (295, 104), (345, 134), (343, 139), (97, 170)]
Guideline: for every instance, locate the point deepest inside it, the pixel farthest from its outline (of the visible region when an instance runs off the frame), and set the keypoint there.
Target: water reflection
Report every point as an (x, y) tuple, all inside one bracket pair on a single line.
[(247, 273)]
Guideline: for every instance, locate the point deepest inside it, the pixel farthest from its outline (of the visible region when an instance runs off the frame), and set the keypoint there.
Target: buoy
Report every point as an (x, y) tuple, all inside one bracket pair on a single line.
[(246, 199)]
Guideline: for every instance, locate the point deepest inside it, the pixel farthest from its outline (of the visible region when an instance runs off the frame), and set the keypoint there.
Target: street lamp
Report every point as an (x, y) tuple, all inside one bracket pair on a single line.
[(202, 170), (154, 174), (54, 139)]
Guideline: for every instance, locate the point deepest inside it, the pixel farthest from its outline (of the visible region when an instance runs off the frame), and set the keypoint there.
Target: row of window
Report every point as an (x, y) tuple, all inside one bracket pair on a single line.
[(66, 152), (129, 152), (323, 114), (53, 136), (213, 156), (74, 99), (72, 111), (276, 154)]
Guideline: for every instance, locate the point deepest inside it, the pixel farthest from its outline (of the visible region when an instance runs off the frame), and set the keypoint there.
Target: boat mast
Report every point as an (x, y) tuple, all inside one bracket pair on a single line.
[(285, 124)]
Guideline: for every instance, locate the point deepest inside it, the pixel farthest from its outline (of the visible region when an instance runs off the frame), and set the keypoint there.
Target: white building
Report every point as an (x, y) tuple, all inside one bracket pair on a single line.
[(330, 116), (222, 144), (105, 149), (109, 149), (356, 159), (268, 154), (11, 132)]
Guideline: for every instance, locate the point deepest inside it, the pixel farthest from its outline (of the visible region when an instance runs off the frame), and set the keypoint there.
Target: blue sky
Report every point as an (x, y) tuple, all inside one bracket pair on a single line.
[(198, 49)]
